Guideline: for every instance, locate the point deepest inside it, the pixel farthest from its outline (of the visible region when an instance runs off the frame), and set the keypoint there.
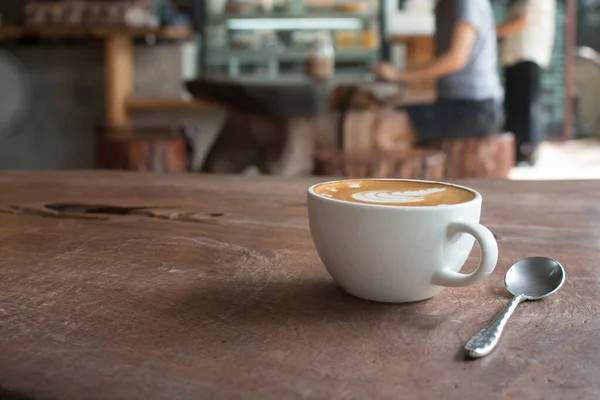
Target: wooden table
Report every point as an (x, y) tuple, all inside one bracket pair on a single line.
[(208, 287), (279, 126)]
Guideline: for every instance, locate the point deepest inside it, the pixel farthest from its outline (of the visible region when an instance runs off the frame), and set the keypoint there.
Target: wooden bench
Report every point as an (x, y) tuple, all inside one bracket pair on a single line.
[(492, 156), (143, 148), (489, 157), (413, 163)]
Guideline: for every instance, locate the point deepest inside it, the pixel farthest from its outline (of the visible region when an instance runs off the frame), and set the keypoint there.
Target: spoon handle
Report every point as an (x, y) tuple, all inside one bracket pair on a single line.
[(484, 341)]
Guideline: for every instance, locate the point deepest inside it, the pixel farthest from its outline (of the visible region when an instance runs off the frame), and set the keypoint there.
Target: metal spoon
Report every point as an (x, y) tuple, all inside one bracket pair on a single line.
[(528, 279)]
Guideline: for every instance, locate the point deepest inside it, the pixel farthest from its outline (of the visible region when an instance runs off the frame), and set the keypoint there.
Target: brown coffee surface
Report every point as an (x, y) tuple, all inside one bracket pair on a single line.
[(395, 192)]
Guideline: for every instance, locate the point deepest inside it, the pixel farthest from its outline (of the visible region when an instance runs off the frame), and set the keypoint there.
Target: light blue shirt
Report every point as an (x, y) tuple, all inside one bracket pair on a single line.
[(479, 79)]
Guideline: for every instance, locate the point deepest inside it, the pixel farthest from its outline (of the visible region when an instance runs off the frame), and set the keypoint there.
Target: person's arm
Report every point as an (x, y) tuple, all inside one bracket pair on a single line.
[(511, 27), (453, 60)]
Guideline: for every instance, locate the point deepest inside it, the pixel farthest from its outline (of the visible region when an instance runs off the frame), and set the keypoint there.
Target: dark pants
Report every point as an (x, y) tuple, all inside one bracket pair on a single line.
[(455, 118), (522, 108)]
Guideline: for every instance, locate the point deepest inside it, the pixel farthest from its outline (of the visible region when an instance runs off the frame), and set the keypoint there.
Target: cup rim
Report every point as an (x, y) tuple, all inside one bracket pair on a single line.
[(478, 197)]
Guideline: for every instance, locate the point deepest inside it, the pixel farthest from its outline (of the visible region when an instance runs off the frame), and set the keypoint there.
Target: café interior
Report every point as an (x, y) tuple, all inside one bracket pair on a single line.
[(226, 87), (179, 217)]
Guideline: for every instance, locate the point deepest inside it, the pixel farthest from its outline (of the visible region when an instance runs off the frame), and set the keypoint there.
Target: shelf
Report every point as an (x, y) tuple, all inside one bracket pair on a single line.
[(291, 22), (150, 104), (9, 32), (223, 55), (285, 15), (293, 79)]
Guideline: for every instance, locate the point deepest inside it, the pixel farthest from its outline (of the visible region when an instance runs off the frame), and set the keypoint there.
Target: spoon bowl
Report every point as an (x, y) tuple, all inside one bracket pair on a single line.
[(534, 277)]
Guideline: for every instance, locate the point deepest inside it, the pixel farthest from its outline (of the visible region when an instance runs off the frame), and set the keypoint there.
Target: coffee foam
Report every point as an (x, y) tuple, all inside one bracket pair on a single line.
[(382, 196), (395, 192)]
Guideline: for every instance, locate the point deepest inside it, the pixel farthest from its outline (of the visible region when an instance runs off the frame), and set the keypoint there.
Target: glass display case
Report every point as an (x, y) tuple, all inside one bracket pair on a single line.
[(269, 39)]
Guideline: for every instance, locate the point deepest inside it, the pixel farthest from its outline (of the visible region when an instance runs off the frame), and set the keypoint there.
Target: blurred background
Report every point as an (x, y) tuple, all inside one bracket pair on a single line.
[(172, 85)]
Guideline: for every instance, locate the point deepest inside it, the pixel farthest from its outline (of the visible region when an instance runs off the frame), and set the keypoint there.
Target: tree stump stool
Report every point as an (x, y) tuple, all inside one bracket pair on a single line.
[(143, 148), (416, 163), (488, 157)]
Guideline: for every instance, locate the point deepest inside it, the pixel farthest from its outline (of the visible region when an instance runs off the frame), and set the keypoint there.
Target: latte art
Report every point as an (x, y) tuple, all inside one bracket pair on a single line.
[(383, 196), (390, 192)]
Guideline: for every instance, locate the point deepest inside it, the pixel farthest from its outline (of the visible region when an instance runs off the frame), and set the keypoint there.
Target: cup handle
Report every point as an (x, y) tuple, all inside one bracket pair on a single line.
[(489, 256)]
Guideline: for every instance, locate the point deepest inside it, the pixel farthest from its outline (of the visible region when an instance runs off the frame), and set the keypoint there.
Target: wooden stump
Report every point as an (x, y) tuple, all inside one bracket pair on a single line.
[(142, 148), (414, 163), (247, 140), (488, 157)]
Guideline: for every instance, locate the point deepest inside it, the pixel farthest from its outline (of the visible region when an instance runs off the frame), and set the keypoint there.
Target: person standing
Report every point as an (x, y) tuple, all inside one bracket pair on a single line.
[(527, 40)]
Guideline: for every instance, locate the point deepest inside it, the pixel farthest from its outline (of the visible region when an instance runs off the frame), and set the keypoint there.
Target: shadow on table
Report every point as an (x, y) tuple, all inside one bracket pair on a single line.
[(297, 302), (8, 394)]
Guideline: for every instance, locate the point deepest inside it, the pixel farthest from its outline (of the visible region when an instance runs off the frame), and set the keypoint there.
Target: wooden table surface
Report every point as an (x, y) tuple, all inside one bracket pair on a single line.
[(140, 286)]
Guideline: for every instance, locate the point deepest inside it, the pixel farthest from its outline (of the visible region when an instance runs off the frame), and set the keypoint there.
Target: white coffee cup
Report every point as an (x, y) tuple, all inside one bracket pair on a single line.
[(399, 253)]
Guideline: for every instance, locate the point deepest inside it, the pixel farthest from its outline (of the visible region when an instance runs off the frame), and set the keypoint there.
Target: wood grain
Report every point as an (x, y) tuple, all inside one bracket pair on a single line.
[(236, 303)]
